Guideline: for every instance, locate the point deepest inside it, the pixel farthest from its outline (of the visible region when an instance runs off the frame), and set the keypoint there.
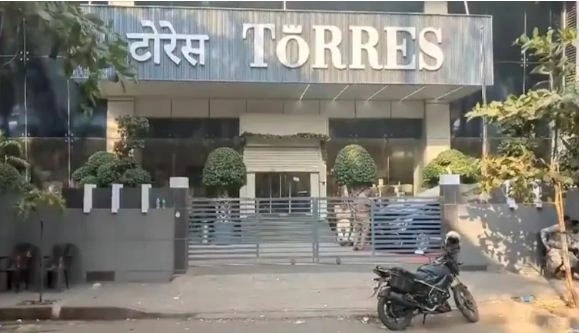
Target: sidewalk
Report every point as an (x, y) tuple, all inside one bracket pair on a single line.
[(265, 295)]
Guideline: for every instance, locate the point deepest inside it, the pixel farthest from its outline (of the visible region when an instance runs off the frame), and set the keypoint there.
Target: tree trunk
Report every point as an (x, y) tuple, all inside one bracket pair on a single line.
[(572, 299)]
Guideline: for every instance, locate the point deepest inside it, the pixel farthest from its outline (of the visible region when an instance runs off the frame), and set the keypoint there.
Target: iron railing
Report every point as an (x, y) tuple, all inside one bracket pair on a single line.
[(314, 230)]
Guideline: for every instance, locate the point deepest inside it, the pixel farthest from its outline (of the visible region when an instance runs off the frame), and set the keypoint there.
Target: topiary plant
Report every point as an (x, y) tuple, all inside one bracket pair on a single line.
[(135, 177), (104, 168), (451, 162), (99, 158), (11, 181), (11, 153), (354, 167), (81, 173), (108, 173), (224, 171)]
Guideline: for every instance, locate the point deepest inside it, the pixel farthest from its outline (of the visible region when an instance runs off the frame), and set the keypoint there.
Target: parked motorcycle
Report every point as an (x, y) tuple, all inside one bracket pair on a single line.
[(402, 295)]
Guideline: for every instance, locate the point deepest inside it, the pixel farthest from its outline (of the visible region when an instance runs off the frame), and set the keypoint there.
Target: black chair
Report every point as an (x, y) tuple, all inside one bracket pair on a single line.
[(58, 265), (19, 266)]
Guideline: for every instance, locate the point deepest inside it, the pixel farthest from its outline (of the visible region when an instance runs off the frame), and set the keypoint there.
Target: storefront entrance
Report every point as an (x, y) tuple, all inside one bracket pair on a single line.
[(272, 187)]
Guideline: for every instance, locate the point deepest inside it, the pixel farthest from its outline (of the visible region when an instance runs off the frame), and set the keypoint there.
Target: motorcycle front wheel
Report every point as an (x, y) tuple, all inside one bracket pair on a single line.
[(395, 317), (465, 303)]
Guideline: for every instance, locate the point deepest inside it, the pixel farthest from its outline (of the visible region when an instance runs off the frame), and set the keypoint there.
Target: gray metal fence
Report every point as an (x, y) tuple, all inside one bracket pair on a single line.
[(311, 230)]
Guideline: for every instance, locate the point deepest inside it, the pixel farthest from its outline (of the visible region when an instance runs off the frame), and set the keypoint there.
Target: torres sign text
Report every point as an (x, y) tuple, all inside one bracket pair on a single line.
[(361, 47)]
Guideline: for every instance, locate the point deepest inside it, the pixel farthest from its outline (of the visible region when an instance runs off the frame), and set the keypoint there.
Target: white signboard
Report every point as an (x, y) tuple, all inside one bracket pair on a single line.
[(364, 42), (144, 39)]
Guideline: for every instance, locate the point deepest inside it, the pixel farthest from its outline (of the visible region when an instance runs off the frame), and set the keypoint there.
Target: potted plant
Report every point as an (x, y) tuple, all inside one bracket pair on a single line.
[(224, 173), (356, 170)]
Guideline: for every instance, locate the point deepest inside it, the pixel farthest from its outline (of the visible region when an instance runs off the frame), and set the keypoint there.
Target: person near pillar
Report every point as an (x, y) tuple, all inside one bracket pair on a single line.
[(362, 204), (551, 239)]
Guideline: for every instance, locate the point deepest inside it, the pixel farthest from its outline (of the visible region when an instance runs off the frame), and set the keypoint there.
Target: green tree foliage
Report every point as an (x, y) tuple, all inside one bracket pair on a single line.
[(224, 171), (521, 117), (451, 162), (35, 200), (354, 167), (11, 153), (132, 131), (62, 30), (11, 180)]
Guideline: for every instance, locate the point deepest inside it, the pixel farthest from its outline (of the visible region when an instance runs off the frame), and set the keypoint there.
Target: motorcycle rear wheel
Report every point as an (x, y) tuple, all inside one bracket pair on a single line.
[(394, 317), (465, 303)]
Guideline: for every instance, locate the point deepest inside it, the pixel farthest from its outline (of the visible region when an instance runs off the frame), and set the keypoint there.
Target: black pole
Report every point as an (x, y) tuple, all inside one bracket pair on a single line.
[(41, 287)]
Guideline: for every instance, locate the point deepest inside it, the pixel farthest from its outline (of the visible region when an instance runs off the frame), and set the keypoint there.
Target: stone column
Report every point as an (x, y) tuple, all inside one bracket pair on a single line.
[(117, 107), (436, 136), (436, 130)]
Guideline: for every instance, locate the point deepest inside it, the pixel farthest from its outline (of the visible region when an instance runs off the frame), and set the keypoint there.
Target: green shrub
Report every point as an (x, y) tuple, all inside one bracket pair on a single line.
[(99, 158), (104, 169), (451, 162), (10, 179), (135, 177), (108, 173), (355, 167), (224, 170), (81, 173), (90, 179)]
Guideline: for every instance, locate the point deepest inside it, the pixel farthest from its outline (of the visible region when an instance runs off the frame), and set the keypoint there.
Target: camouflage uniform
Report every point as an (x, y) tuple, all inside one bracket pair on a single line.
[(361, 209)]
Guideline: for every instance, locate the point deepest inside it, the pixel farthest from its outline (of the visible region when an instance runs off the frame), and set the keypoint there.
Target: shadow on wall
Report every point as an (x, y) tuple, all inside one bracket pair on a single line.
[(507, 237)]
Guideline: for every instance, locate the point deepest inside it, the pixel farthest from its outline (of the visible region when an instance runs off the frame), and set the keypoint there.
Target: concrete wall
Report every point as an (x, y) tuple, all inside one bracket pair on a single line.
[(494, 235), (128, 246)]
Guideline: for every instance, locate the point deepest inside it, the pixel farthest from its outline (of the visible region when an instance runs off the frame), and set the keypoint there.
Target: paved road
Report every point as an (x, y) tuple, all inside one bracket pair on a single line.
[(493, 321), (496, 317), (306, 326)]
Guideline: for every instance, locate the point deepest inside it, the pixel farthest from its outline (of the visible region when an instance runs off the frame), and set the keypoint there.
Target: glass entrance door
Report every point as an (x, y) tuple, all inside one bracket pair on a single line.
[(279, 192)]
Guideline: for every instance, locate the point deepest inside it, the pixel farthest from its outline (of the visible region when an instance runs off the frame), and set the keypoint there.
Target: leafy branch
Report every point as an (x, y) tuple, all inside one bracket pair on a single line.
[(63, 31)]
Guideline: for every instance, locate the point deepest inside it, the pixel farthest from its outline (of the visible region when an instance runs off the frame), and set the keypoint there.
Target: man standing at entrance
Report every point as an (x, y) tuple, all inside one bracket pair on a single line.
[(361, 211)]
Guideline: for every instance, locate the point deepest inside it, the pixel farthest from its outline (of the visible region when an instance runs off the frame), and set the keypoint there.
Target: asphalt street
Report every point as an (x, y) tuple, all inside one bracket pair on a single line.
[(448, 324)]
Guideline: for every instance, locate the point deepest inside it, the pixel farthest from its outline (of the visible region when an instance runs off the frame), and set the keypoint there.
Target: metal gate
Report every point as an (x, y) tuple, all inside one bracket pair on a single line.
[(311, 230)]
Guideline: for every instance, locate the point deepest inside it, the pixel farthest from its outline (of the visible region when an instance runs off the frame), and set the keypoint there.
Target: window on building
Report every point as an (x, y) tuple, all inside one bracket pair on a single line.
[(376, 128), (512, 70), (192, 128), (179, 147)]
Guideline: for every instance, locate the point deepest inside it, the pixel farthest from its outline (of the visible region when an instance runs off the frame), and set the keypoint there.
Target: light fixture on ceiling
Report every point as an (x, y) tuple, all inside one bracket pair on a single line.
[(340, 93), (305, 91), (412, 93), (376, 93)]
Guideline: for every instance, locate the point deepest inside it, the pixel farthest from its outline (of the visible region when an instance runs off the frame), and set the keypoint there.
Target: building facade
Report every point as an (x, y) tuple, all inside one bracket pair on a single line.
[(276, 83), (284, 80)]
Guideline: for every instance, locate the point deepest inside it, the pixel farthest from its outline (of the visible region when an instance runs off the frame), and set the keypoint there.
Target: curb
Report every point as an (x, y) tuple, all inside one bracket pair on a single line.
[(68, 313)]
